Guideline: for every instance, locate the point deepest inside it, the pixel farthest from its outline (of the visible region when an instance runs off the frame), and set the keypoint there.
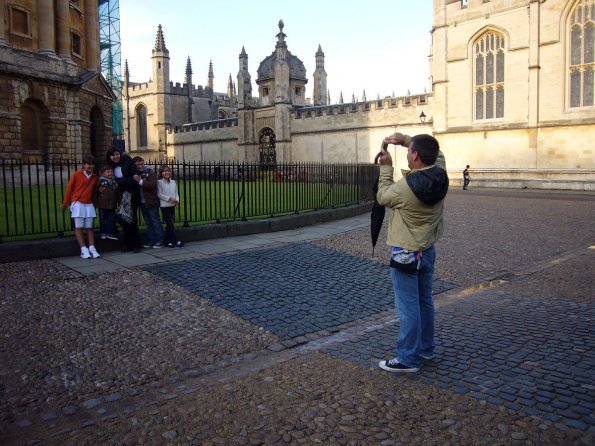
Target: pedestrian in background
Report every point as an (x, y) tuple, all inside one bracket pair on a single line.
[(417, 203), (149, 202), (106, 200), (466, 177), (79, 196), (169, 198)]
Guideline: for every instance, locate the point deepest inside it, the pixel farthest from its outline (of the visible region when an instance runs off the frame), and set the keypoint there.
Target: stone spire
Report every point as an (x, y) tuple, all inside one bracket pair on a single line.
[(353, 97), (319, 79), (328, 96), (244, 81), (211, 76), (126, 72), (230, 87), (281, 68), (281, 36), (188, 74), (160, 59), (364, 96), (341, 98), (160, 42)]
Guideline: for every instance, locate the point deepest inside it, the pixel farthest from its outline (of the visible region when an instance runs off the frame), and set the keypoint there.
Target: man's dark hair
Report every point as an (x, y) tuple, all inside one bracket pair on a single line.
[(89, 159), (138, 158), (426, 147)]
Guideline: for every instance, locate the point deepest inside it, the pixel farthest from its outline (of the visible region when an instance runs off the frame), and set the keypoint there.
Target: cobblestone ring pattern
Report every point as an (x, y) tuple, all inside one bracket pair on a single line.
[(537, 358), (291, 290)]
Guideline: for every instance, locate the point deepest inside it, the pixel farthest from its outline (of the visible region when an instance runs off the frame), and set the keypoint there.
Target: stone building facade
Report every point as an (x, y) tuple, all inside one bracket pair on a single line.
[(54, 103), (281, 125), (512, 95), (513, 90), (152, 108)]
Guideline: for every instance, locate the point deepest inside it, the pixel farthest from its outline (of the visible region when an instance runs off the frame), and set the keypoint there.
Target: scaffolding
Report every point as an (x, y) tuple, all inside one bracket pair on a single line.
[(111, 63)]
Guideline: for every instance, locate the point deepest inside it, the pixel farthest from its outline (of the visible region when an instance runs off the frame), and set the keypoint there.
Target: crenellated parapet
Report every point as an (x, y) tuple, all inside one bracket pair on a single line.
[(140, 87), (388, 103), (206, 125)]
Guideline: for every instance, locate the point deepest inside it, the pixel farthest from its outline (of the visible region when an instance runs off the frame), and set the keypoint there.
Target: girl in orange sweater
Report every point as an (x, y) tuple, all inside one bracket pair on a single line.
[(79, 195)]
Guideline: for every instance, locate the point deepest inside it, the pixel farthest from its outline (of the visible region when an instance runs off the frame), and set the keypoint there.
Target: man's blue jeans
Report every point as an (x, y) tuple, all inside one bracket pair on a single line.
[(153, 223), (415, 308)]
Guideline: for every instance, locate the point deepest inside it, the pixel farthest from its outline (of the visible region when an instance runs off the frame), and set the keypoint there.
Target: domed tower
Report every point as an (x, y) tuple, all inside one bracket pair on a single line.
[(281, 77)]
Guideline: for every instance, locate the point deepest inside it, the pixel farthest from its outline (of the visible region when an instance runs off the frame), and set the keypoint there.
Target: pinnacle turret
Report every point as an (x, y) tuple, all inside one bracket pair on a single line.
[(188, 67), (211, 76), (188, 74), (160, 41), (281, 36)]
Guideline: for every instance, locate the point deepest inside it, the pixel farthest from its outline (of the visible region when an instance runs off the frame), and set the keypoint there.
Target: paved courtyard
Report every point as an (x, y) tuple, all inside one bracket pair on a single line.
[(275, 338)]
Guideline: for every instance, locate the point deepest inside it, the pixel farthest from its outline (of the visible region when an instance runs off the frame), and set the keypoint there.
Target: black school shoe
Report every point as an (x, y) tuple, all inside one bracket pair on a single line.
[(393, 365)]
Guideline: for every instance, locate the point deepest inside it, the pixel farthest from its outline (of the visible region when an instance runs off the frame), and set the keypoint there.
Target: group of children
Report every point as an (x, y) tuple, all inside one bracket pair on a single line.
[(86, 191)]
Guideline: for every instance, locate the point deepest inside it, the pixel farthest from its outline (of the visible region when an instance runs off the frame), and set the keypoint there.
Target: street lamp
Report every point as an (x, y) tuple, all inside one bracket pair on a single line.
[(422, 117)]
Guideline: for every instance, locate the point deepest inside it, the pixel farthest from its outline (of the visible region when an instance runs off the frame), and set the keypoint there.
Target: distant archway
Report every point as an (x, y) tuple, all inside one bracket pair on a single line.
[(266, 146), (96, 135)]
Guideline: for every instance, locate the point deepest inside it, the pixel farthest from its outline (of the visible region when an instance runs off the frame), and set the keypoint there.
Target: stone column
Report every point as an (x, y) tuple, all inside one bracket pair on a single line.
[(63, 37), (91, 35), (534, 68), (46, 28), (3, 13)]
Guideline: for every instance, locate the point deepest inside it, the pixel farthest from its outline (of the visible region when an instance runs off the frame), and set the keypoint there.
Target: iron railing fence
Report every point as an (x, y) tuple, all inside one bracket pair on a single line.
[(31, 194)]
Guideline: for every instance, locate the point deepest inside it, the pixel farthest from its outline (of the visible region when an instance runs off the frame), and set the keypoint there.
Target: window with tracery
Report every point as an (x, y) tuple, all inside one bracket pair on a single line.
[(581, 63), (266, 143), (489, 76), (141, 126)]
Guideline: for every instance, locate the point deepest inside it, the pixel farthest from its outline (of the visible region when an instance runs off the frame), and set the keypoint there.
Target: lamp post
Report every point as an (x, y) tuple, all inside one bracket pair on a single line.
[(422, 117)]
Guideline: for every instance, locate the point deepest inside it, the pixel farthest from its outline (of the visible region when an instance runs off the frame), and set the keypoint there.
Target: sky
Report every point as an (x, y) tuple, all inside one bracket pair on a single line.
[(380, 46)]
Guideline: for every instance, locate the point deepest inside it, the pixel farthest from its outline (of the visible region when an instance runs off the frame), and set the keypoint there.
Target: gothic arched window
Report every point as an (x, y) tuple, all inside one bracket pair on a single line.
[(489, 76), (141, 126), (581, 63)]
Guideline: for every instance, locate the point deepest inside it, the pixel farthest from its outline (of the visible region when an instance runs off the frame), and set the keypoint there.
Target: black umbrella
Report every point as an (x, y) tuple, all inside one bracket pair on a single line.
[(378, 211)]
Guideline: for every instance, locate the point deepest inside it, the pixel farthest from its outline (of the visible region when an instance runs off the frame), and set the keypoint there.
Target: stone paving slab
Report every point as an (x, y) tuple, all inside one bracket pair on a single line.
[(332, 288), (533, 355)]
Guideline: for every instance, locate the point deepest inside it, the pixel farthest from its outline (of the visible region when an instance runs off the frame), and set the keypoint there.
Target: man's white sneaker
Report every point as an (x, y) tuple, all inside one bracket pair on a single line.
[(85, 254), (94, 252)]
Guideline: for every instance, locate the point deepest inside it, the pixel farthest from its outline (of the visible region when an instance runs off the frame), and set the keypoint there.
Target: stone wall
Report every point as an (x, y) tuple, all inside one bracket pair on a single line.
[(541, 141), (63, 94)]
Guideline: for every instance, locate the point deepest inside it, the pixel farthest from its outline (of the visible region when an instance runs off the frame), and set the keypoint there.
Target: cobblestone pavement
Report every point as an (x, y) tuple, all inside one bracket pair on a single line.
[(179, 352), (290, 290)]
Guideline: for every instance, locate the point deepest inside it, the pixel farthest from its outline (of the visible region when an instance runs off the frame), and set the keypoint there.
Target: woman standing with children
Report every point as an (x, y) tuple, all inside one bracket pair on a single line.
[(124, 171), (169, 198)]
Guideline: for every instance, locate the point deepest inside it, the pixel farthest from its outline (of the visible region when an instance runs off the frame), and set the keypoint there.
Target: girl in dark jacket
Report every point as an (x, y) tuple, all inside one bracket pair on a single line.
[(124, 170)]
